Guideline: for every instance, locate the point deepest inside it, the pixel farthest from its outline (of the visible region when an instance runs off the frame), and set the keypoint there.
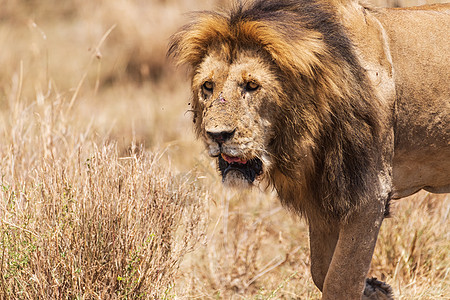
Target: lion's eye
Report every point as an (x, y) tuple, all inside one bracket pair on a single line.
[(208, 86), (251, 86)]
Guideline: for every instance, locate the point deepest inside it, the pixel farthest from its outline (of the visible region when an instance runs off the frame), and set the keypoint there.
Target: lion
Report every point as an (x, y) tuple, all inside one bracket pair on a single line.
[(340, 107)]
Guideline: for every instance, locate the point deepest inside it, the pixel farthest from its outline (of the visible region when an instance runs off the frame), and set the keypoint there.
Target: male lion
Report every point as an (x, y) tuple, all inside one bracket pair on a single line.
[(340, 107)]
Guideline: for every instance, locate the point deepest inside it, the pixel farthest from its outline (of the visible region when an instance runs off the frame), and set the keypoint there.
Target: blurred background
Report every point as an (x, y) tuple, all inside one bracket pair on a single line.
[(126, 87), (106, 62)]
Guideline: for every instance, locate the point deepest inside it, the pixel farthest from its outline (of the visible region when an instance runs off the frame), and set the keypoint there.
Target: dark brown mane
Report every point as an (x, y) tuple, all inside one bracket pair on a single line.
[(327, 111)]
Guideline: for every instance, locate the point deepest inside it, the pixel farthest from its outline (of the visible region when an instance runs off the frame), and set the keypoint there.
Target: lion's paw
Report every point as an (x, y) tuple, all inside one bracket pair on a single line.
[(377, 290)]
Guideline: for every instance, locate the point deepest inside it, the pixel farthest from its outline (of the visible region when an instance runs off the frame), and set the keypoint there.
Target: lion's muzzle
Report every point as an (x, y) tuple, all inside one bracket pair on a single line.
[(237, 165), (235, 169)]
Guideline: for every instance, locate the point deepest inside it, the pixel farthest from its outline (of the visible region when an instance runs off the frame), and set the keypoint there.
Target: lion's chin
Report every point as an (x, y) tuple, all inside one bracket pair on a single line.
[(235, 179), (238, 172)]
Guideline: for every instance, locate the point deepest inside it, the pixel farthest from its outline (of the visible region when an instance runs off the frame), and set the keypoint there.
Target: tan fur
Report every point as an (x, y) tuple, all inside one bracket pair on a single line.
[(339, 118)]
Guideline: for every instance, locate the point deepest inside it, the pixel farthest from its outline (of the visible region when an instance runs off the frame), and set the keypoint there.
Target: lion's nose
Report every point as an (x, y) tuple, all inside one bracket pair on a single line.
[(221, 136)]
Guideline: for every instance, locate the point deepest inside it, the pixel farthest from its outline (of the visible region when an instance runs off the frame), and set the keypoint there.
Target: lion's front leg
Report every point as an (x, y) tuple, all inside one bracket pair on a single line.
[(346, 276), (322, 240)]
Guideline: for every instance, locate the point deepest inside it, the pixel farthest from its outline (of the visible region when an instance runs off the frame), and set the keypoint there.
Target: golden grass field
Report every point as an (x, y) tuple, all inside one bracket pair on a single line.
[(106, 194)]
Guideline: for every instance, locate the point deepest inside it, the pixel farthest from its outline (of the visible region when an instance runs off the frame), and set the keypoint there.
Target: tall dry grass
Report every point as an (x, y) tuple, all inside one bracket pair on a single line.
[(106, 194), (82, 217), (80, 221)]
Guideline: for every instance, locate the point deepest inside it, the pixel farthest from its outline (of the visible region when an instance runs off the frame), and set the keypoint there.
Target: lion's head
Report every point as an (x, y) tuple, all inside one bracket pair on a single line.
[(277, 91)]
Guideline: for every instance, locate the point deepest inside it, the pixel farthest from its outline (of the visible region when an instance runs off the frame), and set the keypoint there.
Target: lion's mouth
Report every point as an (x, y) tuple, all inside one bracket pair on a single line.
[(250, 169)]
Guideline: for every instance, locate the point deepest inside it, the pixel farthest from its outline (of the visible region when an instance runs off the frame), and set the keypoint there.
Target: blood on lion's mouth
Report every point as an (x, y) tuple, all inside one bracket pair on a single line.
[(249, 169)]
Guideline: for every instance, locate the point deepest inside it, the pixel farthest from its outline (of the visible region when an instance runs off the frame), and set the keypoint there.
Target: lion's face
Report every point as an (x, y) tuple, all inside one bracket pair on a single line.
[(235, 105)]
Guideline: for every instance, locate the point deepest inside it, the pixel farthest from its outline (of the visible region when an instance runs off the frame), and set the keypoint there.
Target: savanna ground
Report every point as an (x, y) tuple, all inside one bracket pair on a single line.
[(105, 194)]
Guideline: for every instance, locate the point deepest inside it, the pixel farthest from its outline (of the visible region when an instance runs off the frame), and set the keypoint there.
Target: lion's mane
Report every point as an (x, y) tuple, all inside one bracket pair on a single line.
[(327, 130)]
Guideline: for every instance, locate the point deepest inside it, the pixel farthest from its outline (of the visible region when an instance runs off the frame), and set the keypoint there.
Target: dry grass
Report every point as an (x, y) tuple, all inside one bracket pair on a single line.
[(106, 194), (80, 221), (413, 248)]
